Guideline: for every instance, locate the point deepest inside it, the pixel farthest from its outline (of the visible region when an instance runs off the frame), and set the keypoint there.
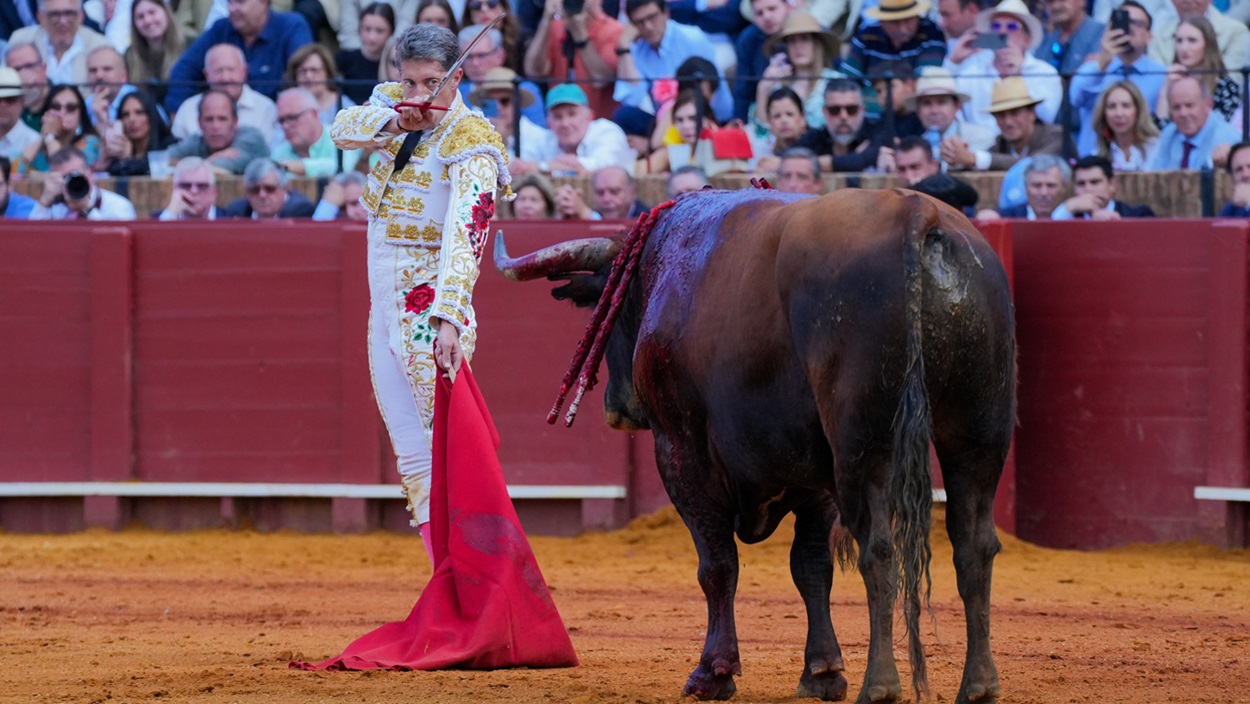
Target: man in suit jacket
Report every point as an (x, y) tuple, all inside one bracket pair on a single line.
[(1232, 36), (62, 40), (267, 195), (1094, 189), (1046, 179), (1021, 133), (15, 15)]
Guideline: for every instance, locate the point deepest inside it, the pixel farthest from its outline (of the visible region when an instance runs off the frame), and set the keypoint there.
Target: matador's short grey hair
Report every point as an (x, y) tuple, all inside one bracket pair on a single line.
[(427, 42)]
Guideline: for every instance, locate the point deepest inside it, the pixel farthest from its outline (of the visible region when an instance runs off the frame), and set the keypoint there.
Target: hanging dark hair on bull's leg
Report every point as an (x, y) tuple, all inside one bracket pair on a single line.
[(911, 485)]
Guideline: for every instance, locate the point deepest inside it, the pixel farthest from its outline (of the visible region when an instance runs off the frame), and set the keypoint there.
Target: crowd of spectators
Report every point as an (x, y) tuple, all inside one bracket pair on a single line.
[(1059, 95)]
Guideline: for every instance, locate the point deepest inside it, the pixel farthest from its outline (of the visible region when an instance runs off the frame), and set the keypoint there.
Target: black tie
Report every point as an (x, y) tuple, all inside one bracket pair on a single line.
[(404, 154)]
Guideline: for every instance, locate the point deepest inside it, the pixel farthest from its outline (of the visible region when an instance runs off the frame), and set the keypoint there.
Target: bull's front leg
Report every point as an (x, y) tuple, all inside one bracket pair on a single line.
[(811, 566), (718, 575)]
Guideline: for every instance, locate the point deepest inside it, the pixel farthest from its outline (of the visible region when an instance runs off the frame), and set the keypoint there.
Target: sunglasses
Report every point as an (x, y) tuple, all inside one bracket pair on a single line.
[(262, 188), (194, 186), (63, 107), (479, 4), (1011, 27), (836, 110)]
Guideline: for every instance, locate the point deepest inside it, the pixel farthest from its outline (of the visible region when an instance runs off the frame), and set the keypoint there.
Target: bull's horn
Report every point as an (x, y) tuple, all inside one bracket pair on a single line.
[(575, 255)]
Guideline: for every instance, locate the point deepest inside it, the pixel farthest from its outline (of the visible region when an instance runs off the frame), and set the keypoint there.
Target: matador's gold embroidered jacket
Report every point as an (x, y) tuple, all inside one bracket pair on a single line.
[(429, 204)]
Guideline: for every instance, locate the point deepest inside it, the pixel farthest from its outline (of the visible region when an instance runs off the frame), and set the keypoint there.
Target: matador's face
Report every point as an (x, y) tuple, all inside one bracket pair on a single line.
[(420, 78)]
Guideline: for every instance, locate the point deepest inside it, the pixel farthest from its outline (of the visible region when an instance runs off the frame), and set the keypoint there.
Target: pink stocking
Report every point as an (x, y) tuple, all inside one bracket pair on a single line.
[(427, 539)]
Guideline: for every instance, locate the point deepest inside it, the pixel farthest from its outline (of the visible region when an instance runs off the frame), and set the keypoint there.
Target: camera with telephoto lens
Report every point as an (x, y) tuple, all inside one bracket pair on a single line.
[(77, 186)]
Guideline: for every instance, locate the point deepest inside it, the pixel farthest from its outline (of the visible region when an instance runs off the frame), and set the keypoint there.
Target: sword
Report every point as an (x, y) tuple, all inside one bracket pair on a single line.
[(425, 105)]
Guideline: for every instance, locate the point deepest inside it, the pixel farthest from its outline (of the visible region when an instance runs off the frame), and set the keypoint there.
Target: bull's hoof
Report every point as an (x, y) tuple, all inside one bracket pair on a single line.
[(879, 694), (705, 684), (829, 686), (978, 693)]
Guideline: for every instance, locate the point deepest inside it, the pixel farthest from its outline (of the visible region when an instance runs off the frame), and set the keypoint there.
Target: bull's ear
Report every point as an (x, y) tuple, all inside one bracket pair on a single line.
[(583, 289)]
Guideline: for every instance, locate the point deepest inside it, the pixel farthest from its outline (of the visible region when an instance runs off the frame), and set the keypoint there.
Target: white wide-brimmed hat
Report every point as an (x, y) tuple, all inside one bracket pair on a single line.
[(1015, 8), (1010, 93), (935, 80)]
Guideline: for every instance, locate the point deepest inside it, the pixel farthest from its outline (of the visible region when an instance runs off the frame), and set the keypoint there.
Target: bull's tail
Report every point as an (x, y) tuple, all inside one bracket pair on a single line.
[(911, 490)]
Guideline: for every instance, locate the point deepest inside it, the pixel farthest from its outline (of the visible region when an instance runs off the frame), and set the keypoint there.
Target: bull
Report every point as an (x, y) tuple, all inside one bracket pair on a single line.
[(797, 355)]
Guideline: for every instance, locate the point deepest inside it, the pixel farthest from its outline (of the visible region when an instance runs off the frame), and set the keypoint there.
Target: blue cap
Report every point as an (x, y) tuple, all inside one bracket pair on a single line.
[(634, 121), (566, 94)]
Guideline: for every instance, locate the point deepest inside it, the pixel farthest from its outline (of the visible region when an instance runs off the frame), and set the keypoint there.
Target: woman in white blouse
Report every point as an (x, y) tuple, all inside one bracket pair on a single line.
[(1126, 132)]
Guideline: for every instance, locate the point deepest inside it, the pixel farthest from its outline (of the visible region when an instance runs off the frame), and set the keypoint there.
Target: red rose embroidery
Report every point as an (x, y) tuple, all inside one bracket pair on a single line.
[(419, 299), (483, 211)]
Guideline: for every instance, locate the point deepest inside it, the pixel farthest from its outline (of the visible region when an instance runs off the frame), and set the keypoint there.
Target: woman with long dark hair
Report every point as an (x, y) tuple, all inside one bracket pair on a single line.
[(140, 128)]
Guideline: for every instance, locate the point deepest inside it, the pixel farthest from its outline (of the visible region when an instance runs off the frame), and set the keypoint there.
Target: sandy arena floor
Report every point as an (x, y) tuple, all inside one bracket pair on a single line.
[(214, 617)]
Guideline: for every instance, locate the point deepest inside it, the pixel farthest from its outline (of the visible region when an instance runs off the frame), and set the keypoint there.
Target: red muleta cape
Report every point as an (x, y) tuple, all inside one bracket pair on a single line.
[(487, 605)]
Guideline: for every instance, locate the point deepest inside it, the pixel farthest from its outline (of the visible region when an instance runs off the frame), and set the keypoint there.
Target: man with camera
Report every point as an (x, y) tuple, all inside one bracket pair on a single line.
[(1122, 57), (577, 32), (69, 193)]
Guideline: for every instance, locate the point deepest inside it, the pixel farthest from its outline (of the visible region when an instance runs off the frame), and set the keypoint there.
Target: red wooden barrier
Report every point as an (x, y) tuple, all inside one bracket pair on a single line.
[(1133, 364)]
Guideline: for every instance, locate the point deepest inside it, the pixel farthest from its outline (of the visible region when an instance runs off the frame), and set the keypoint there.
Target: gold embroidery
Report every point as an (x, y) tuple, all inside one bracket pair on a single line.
[(446, 176), (472, 132), (422, 151), (413, 234), (424, 179), (394, 91)]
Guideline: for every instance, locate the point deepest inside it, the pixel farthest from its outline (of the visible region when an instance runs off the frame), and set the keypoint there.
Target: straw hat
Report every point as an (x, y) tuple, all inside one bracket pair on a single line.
[(498, 78), (1017, 9), (798, 24), (1010, 93), (10, 83), (935, 80), (899, 9)]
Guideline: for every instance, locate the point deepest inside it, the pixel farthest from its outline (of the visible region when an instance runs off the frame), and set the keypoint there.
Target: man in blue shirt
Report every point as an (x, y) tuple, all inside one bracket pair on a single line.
[(1122, 56), (12, 205), (267, 39), (1198, 137), (1239, 167), (654, 51), (1074, 37)]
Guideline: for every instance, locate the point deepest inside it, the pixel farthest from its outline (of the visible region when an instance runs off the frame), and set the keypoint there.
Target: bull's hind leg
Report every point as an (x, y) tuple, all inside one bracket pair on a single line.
[(867, 516), (811, 566), (971, 477)]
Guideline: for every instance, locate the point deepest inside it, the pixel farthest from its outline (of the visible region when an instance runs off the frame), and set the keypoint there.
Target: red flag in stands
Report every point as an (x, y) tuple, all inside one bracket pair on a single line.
[(487, 605)]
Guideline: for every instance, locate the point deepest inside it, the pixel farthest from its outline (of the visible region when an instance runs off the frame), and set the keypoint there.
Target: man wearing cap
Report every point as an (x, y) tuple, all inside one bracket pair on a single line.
[(978, 70), (577, 142), (590, 38), (1122, 56), (496, 95), (1021, 133), (651, 48), (489, 54), (14, 134), (904, 33), (62, 40), (430, 200), (1198, 137)]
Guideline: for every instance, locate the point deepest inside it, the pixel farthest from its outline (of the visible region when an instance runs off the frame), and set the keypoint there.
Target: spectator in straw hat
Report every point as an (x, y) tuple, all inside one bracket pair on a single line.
[(904, 33), (937, 103), (14, 134), (1021, 133), (800, 56), (497, 96), (978, 70)]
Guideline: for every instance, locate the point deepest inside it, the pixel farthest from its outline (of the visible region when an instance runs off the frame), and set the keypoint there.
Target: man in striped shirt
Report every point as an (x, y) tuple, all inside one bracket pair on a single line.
[(904, 34)]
